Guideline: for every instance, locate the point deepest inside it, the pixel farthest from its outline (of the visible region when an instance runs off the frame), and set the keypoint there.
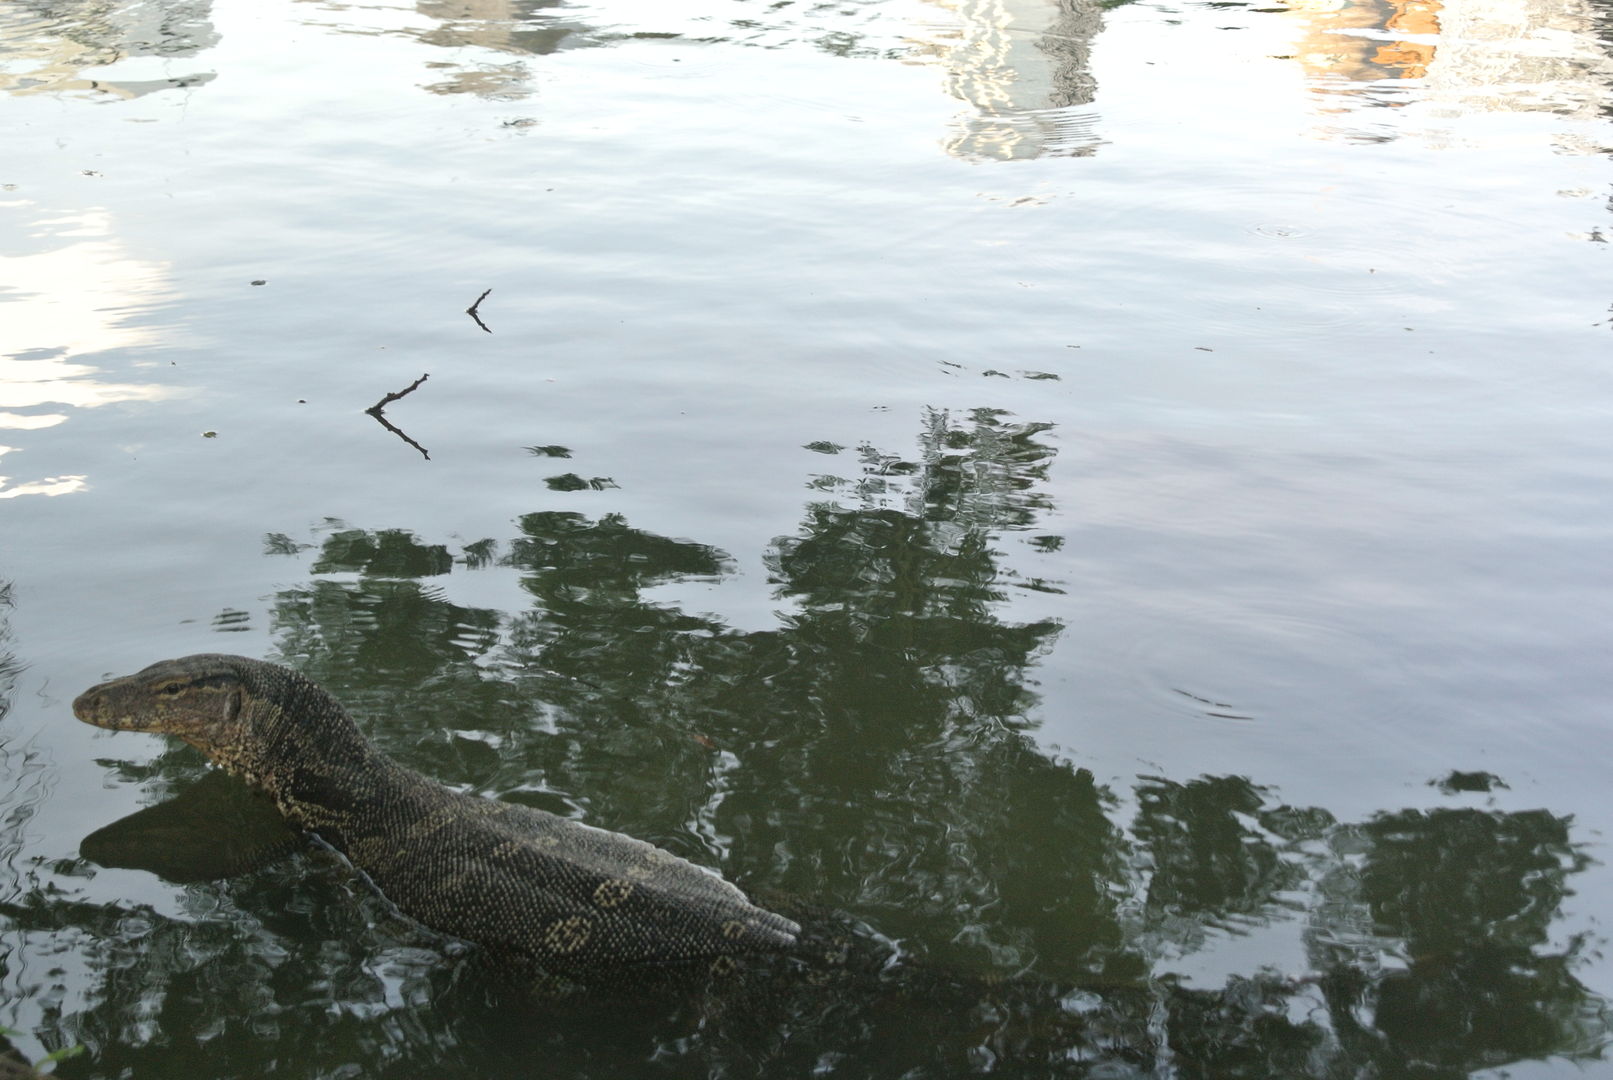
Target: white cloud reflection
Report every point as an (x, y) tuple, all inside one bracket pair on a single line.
[(79, 295)]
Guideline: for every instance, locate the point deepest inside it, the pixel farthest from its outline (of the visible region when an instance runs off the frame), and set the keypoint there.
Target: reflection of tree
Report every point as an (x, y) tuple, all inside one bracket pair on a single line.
[(1466, 896), (24, 785), (894, 695), (15, 763), (380, 641), (869, 753), (8, 662), (388, 553), (873, 734), (1208, 862), (23, 775), (1472, 895)]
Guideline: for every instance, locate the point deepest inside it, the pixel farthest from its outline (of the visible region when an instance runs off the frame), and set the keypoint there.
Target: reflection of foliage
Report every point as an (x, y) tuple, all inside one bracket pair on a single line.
[(480, 553), (869, 752), (280, 544), (388, 553), (9, 667), (231, 621), (23, 774), (1472, 894), (1207, 860), (892, 699), (1243, 1031), (572, 482), (13, 1066), (1467, 896), (224, 986), (24, 779), (1456, 781), (1448, 878), (380, 643), (575, 564), (976, 478), (922, 534)]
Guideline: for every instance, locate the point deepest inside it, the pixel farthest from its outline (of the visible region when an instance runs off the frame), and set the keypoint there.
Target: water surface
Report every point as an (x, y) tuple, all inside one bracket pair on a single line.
[(1107, 502)]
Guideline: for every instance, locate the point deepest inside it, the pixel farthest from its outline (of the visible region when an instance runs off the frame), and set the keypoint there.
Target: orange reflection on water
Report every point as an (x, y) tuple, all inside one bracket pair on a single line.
[(1345, 39), (1458, 56)]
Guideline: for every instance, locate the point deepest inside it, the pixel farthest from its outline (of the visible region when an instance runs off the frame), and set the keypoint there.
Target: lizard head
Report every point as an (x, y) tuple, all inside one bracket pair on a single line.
[(246, 715), (202, 699), (262, 722)]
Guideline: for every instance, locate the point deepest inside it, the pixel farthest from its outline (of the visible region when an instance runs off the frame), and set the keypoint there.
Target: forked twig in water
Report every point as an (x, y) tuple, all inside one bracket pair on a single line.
[(390, 398), (471, 311), (378, 411)]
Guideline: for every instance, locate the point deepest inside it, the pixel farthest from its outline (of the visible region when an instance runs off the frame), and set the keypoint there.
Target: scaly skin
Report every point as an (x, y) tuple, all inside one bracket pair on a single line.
[(527, 885)]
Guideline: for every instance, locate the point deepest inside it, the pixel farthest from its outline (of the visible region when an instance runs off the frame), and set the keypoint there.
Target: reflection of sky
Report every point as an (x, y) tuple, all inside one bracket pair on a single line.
[(73, 299)]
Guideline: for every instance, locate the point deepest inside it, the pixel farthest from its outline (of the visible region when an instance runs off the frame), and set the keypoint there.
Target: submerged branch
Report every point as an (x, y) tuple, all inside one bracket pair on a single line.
[(378, 411), (375, 410), (471, 311)]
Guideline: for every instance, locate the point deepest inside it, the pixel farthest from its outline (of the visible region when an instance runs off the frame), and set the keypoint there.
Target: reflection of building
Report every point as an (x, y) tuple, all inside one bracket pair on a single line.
[(1023, 65), (1466, 55), (77, 302), (101, 48), (1520, 55), (506, 26), (515, 28), (1366, 40)]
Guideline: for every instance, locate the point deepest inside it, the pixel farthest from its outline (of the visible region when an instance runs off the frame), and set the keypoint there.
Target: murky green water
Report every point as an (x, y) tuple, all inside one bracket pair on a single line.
[(1110, 504)]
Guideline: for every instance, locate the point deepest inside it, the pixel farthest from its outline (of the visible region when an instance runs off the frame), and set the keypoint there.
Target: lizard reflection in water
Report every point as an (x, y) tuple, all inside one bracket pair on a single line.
[(529, 886), (214, 828)]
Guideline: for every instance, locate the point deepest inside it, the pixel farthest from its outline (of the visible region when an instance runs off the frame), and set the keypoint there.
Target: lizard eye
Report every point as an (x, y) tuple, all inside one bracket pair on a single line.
[(171, 689)]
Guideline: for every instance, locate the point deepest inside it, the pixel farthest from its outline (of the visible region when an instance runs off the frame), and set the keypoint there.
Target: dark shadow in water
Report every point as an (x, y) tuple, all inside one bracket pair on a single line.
[(865, 761), (215, 828)]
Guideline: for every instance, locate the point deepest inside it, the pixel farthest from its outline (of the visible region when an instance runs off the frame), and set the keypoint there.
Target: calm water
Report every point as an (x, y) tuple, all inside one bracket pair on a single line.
[(1110, 502)]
